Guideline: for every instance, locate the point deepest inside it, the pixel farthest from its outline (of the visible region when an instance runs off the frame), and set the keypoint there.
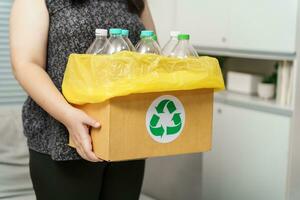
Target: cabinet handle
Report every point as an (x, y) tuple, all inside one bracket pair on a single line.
[(219, 110), (224, 39)]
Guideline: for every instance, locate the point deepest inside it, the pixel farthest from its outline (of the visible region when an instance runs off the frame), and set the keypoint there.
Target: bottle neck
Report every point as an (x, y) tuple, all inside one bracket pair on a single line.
[(147, 38), (115, 35), (101, 36), (184, 41)]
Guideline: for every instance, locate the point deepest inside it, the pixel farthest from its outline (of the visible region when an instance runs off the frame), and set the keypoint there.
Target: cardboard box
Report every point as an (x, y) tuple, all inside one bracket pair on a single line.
[(153, 124)]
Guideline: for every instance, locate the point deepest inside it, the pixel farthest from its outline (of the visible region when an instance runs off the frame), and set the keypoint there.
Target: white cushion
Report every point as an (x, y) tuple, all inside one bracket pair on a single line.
[(15, 183)]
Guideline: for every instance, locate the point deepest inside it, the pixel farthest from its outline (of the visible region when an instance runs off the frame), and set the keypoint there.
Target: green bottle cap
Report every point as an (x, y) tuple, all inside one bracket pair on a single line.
[(147, 33), (183, 37), (154, 37), (125, 32), (115, 31)]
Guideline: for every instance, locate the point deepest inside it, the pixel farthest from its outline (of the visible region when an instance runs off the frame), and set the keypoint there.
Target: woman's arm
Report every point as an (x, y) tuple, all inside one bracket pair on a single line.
[(147, 19), (29, 25)]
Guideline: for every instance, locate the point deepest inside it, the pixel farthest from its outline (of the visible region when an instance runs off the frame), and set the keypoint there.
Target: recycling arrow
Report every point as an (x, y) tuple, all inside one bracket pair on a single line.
[(177, 125), (156, 126), (161, 106), (165, 103), (157, 131)]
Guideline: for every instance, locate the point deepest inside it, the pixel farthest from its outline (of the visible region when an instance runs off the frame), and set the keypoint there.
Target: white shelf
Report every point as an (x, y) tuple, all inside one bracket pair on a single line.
[(245, 54), (252, 102)]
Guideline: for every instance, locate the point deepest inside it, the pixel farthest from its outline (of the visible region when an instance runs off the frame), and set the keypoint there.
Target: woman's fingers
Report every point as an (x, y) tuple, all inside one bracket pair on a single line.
[(80, 152), (80, 149), (84, 144), (90, 121), (88, 149), (79, 130)]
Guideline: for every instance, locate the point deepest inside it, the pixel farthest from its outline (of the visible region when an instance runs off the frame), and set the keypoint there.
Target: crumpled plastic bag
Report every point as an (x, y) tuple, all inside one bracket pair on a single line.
[(97, 78)]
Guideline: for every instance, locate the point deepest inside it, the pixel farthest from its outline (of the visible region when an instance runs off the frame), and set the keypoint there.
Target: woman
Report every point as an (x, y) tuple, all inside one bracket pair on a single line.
[(42, 35)]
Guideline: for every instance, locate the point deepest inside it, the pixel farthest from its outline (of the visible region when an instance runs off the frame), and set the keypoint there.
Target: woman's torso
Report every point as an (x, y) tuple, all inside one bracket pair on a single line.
[(71, 30)]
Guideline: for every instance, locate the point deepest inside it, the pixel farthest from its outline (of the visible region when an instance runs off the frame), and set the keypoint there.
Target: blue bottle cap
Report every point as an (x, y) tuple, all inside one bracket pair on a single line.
[(125, 32), (115, 31), (147, 33)]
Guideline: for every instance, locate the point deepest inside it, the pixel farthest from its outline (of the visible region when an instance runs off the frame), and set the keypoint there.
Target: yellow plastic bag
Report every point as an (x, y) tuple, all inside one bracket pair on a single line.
[(96, 78)]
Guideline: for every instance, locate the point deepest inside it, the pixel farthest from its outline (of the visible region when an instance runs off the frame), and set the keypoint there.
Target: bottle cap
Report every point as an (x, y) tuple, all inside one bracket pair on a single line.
[(154, 37), (174, 33), (147, 33), (125, 32), (183, 37), (115, 31), (101, 32)]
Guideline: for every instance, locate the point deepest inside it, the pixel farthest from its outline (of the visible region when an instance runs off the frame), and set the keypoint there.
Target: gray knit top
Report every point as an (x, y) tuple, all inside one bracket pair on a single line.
[(71, 30)]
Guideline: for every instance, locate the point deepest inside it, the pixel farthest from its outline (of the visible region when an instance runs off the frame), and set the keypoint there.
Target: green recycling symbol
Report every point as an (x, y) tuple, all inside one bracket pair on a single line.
[(165, 119)]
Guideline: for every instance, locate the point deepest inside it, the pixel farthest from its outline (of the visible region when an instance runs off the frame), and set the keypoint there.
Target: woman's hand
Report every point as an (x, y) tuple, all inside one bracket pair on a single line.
[(78, 123)]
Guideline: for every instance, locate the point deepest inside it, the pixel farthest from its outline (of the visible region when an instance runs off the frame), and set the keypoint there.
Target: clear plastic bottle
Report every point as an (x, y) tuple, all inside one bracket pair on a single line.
[(169, 47), (147, 44), (100, 44), (125, 34), (183, 49), (155, 38), (116, 41)]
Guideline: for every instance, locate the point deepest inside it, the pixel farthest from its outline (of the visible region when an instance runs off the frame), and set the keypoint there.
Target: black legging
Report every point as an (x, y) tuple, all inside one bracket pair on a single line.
[(83, 180)]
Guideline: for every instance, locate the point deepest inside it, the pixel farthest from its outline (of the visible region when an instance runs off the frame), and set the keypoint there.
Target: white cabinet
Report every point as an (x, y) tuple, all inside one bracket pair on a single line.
[(163, 13), (206, 20), (263, 25), (249, 157), (248, 25)]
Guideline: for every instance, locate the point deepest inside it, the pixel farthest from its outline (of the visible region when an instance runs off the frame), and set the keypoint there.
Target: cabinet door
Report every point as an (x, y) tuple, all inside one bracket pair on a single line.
[(206, 21), (263, 25), (249, 156), (163, 13)]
